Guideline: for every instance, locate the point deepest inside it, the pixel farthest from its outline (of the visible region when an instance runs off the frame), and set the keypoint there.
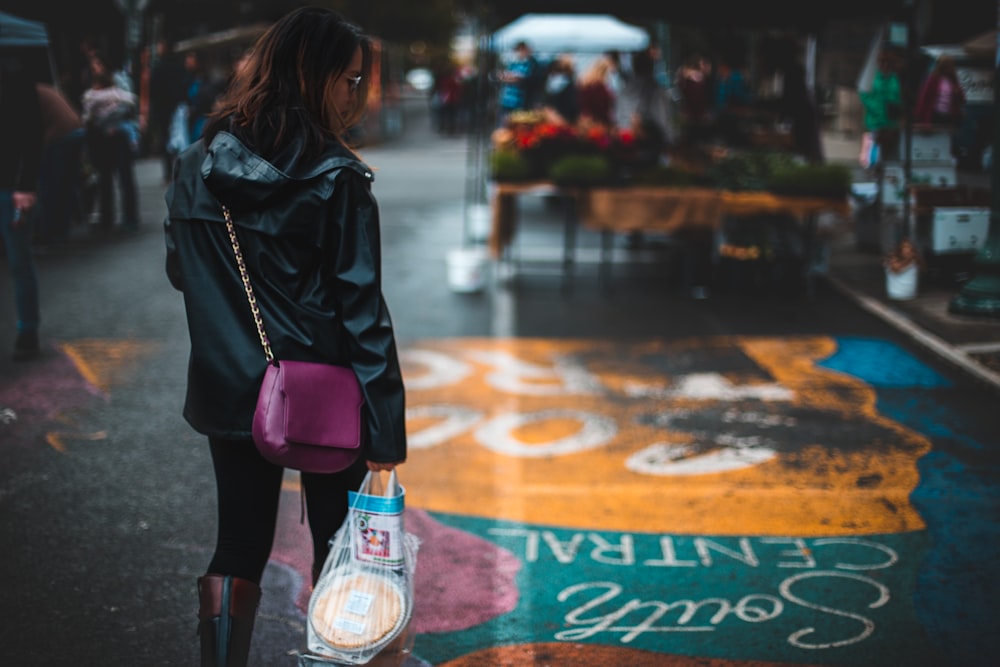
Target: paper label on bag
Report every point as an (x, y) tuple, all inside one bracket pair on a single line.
[(349, 625), (378, 538), (377, 528), (359, 603)]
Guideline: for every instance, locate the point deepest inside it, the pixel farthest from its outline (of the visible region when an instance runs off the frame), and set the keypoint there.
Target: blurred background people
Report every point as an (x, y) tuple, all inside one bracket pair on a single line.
[(798, 103), (597, 100), (110, 120), (21, 139), (519, 82), (617, 78), (59, 178), (560, 96), (166, 91), (199, 96), (732, 97), (649, 109), (883, 109), (693, 81), (941, 100), (446, 99)]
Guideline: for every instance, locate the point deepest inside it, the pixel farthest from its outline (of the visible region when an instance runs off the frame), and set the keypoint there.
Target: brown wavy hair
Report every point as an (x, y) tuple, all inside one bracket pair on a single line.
[(284, 87)]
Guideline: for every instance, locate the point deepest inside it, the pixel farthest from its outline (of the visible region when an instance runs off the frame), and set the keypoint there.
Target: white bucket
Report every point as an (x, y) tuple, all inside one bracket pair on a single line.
[(901, 286), (467, 269)]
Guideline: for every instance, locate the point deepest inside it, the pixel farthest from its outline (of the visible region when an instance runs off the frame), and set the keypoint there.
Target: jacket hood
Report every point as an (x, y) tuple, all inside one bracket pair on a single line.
[(244, 180)]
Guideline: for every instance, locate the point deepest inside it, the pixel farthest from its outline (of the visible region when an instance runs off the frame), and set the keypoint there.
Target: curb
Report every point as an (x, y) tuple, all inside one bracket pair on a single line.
[(928, 341)]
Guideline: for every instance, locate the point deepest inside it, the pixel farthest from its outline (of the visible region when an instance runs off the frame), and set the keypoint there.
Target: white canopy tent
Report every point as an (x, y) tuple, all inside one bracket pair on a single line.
[(552, 34), (585, 37)]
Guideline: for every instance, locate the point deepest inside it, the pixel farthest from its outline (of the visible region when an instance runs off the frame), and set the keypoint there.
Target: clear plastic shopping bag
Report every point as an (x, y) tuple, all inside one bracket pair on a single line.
[(359, 612)]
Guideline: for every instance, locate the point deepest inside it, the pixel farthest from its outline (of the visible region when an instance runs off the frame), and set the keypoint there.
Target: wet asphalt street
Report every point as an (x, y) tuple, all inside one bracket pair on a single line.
[(585, 464)]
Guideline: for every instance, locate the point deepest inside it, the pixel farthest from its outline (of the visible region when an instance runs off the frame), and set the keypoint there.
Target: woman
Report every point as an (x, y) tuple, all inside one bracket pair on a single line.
[(883, 104), (308, 227), (595, 97), (650, 113), (560, 90), (694, 80), (111, 128), (941, 100)]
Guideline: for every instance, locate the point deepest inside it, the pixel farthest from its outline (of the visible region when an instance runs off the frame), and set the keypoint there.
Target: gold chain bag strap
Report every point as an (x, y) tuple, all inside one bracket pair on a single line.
[(308, 415)]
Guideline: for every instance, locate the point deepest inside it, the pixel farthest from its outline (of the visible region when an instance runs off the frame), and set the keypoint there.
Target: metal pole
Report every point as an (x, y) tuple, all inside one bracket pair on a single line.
[(981, 295), (909, 98)]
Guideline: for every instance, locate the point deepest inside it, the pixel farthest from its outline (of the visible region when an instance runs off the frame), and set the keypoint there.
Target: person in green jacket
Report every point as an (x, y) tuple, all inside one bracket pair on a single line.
[(883, 106)]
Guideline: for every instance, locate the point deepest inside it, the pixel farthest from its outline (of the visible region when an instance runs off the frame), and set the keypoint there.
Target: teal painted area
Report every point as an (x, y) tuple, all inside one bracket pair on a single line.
[(882, 364), (759, 596)]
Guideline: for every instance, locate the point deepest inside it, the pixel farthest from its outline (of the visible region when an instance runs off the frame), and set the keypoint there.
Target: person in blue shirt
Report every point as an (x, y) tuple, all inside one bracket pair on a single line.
[(518, 82), (732, 93)]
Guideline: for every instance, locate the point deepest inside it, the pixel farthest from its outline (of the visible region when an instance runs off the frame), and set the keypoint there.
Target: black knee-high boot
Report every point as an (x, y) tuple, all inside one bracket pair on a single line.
[(226, 616)]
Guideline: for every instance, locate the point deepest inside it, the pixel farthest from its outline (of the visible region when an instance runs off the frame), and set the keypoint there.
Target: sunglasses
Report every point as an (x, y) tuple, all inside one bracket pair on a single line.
[(353, 82)]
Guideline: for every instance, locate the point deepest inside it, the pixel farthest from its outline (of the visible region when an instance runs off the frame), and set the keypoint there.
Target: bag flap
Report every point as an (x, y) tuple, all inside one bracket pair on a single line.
[(322, 404)]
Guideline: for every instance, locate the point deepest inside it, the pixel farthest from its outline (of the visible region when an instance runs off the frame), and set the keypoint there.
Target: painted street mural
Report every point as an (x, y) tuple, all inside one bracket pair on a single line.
[(723, 502), (729, 499)]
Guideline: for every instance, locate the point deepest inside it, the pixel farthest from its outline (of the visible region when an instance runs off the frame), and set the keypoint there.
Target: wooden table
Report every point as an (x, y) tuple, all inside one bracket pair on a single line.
[(505, 219), (654, 209)]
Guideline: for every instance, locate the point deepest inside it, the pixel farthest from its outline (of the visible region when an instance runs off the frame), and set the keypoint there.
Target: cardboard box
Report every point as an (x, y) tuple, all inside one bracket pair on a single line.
[(959, 230)]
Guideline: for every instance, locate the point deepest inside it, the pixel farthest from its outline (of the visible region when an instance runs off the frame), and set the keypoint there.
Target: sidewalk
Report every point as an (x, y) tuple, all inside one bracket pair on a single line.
[(972, 344)]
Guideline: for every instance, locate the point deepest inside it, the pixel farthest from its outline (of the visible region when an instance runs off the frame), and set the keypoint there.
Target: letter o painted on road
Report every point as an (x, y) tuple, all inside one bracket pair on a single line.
[(595, 431)]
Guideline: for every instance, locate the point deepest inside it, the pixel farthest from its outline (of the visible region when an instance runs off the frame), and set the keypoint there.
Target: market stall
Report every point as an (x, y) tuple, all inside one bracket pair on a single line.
[(662, 210), (738, 197)]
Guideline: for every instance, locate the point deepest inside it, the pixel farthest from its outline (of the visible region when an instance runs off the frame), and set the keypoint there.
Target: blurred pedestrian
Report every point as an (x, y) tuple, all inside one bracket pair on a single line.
[(618, 77), (308, 225), (21, 138), (732, 98), (59, 179), (77, 78), (199, 97), (650, 112), (519, 82), (446, 99), (561, 95), (597, 100), (694, 82), (883, 111), (166, 91), (110, 117), (798, 103), (941, 100)]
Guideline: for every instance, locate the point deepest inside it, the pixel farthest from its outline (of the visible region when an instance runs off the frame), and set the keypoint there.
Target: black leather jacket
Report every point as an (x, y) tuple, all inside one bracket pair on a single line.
[(309, 233)]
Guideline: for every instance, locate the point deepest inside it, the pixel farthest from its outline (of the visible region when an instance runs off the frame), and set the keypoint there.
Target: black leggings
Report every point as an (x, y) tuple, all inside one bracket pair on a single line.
[(249, 488)]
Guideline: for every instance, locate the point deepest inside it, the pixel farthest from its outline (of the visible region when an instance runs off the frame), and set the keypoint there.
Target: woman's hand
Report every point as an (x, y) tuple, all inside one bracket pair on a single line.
[(376, 466), (23, 202)]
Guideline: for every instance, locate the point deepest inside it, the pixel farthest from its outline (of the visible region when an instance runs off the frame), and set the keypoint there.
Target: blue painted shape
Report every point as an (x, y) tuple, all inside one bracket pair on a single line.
[(882, 364)]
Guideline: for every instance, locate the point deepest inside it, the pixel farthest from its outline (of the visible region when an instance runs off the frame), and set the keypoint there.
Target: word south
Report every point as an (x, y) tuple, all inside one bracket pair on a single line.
[(605, 610)]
